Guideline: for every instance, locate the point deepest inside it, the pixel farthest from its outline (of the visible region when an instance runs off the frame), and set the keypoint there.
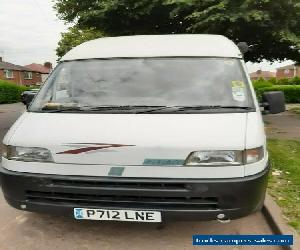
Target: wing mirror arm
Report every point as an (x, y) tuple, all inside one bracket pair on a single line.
[(264, 108), (264, 105)]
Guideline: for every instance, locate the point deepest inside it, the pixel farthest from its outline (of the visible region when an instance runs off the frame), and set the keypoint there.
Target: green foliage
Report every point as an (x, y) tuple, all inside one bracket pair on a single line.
[(10, 92), (295, 80), (283, 81), (290, 87), (291, 92), (273, 80), (75, 36), (261, 83), (268, 26), (285, 187), (271, 28), (288, 81)]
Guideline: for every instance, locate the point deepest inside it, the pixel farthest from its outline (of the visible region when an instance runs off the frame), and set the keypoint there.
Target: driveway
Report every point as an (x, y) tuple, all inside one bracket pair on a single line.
[(284, 125), (24, 230)]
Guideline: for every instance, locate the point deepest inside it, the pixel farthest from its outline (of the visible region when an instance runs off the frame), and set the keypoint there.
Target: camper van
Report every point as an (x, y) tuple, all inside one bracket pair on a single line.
[(147, 128)]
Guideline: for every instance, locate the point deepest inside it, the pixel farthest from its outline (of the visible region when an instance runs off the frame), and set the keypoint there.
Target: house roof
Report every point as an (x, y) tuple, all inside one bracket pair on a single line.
[(38, 68), (291, 66), (260, 73), (10, 66), (192, 45)]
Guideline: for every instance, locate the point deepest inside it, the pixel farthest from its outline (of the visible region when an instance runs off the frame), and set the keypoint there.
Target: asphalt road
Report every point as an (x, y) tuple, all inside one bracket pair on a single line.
[(24, 230)]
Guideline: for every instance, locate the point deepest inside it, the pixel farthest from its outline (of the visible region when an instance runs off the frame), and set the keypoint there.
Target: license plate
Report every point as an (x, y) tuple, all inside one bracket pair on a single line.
[(118, 215)]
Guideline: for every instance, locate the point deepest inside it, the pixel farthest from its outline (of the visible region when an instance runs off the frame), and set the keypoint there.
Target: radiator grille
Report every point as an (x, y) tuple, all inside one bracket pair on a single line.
[(151, 195)]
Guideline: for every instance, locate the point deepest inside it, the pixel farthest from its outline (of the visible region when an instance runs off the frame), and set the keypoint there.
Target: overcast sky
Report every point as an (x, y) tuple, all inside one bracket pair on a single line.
[(30, 32)]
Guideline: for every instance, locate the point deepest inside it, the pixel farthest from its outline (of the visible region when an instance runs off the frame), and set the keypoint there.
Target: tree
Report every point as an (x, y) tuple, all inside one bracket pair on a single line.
[(75, 36), (270, 27)]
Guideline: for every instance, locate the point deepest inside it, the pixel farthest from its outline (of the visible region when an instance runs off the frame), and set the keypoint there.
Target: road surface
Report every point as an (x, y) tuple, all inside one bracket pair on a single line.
[(284, 125), (23, 230)]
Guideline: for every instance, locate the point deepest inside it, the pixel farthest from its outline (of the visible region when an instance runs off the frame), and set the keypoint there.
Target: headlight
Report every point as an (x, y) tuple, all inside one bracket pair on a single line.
[(224, 157), (27, 154)]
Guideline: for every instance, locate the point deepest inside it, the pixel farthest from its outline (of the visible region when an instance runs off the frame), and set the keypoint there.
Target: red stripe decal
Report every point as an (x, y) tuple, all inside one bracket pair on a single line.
[(92, 148)]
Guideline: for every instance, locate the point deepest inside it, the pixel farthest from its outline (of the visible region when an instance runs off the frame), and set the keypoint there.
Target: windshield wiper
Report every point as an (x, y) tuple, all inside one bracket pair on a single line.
[(137, 109), (201, 107), (121, 107), (171, 109), (158, 108), (62, 109), (98, 108)]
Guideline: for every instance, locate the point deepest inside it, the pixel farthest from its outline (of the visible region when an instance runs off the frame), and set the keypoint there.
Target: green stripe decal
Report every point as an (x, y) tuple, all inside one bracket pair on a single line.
[(163, 162)]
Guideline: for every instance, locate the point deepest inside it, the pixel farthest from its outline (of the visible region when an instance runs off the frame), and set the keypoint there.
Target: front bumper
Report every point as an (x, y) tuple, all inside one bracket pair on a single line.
[(177, 199)]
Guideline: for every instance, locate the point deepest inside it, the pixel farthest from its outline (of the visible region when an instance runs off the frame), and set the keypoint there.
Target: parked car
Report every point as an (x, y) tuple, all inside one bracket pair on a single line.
[(28, 95), (145, 129)]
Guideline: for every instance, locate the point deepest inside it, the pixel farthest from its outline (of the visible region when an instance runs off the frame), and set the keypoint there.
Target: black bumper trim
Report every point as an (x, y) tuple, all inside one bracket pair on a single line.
[(177, 199)]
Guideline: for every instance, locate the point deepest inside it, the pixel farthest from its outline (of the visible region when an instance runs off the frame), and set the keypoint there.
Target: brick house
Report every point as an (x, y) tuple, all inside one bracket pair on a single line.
[(267, 75), (19, 74), (44, 70), (288, 71)]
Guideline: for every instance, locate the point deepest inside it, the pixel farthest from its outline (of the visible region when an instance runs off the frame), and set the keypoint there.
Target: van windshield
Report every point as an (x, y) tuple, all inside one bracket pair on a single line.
[(145, 82)]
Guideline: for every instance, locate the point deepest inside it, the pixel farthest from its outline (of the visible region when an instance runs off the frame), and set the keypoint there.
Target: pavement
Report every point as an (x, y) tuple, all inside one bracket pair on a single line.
[(284, 125), (24, 230)]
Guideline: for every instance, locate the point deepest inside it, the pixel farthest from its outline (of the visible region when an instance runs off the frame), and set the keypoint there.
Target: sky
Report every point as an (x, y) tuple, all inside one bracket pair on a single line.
[(30, 32)]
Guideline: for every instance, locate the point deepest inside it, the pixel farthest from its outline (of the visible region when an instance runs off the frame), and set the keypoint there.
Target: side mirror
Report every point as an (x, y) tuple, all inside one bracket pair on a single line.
[(27, 98), (273, 102)]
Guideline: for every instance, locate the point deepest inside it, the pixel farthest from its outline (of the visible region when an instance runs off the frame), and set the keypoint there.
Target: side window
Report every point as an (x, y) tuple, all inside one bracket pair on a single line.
[(28, 75), (9, 74)]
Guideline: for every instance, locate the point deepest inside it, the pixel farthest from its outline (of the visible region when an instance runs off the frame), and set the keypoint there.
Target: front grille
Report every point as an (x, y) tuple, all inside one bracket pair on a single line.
[(152, 185), (122, 194)]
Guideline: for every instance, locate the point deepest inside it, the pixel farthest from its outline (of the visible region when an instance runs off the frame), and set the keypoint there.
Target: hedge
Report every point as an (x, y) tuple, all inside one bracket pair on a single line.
[(291, 92), (273, 81), (285, 81), (10, 92), (261, 83)]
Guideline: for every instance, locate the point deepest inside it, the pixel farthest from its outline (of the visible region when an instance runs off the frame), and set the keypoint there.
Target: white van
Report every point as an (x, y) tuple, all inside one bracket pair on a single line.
[(141, 128)]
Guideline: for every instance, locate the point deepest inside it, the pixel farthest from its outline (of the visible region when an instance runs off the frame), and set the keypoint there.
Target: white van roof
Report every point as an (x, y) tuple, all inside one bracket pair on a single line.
[(155, 46)]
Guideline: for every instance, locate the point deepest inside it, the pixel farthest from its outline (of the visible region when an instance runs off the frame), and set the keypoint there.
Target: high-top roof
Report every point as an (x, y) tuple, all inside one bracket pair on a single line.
[(155, 46)]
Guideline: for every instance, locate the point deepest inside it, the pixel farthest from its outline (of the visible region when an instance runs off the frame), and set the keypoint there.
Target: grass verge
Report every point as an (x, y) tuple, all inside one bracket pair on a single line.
[(284, 181), (296, 110)]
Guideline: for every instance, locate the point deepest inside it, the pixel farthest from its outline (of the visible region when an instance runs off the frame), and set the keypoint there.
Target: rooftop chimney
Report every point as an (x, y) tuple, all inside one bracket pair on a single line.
[(48, 65)]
